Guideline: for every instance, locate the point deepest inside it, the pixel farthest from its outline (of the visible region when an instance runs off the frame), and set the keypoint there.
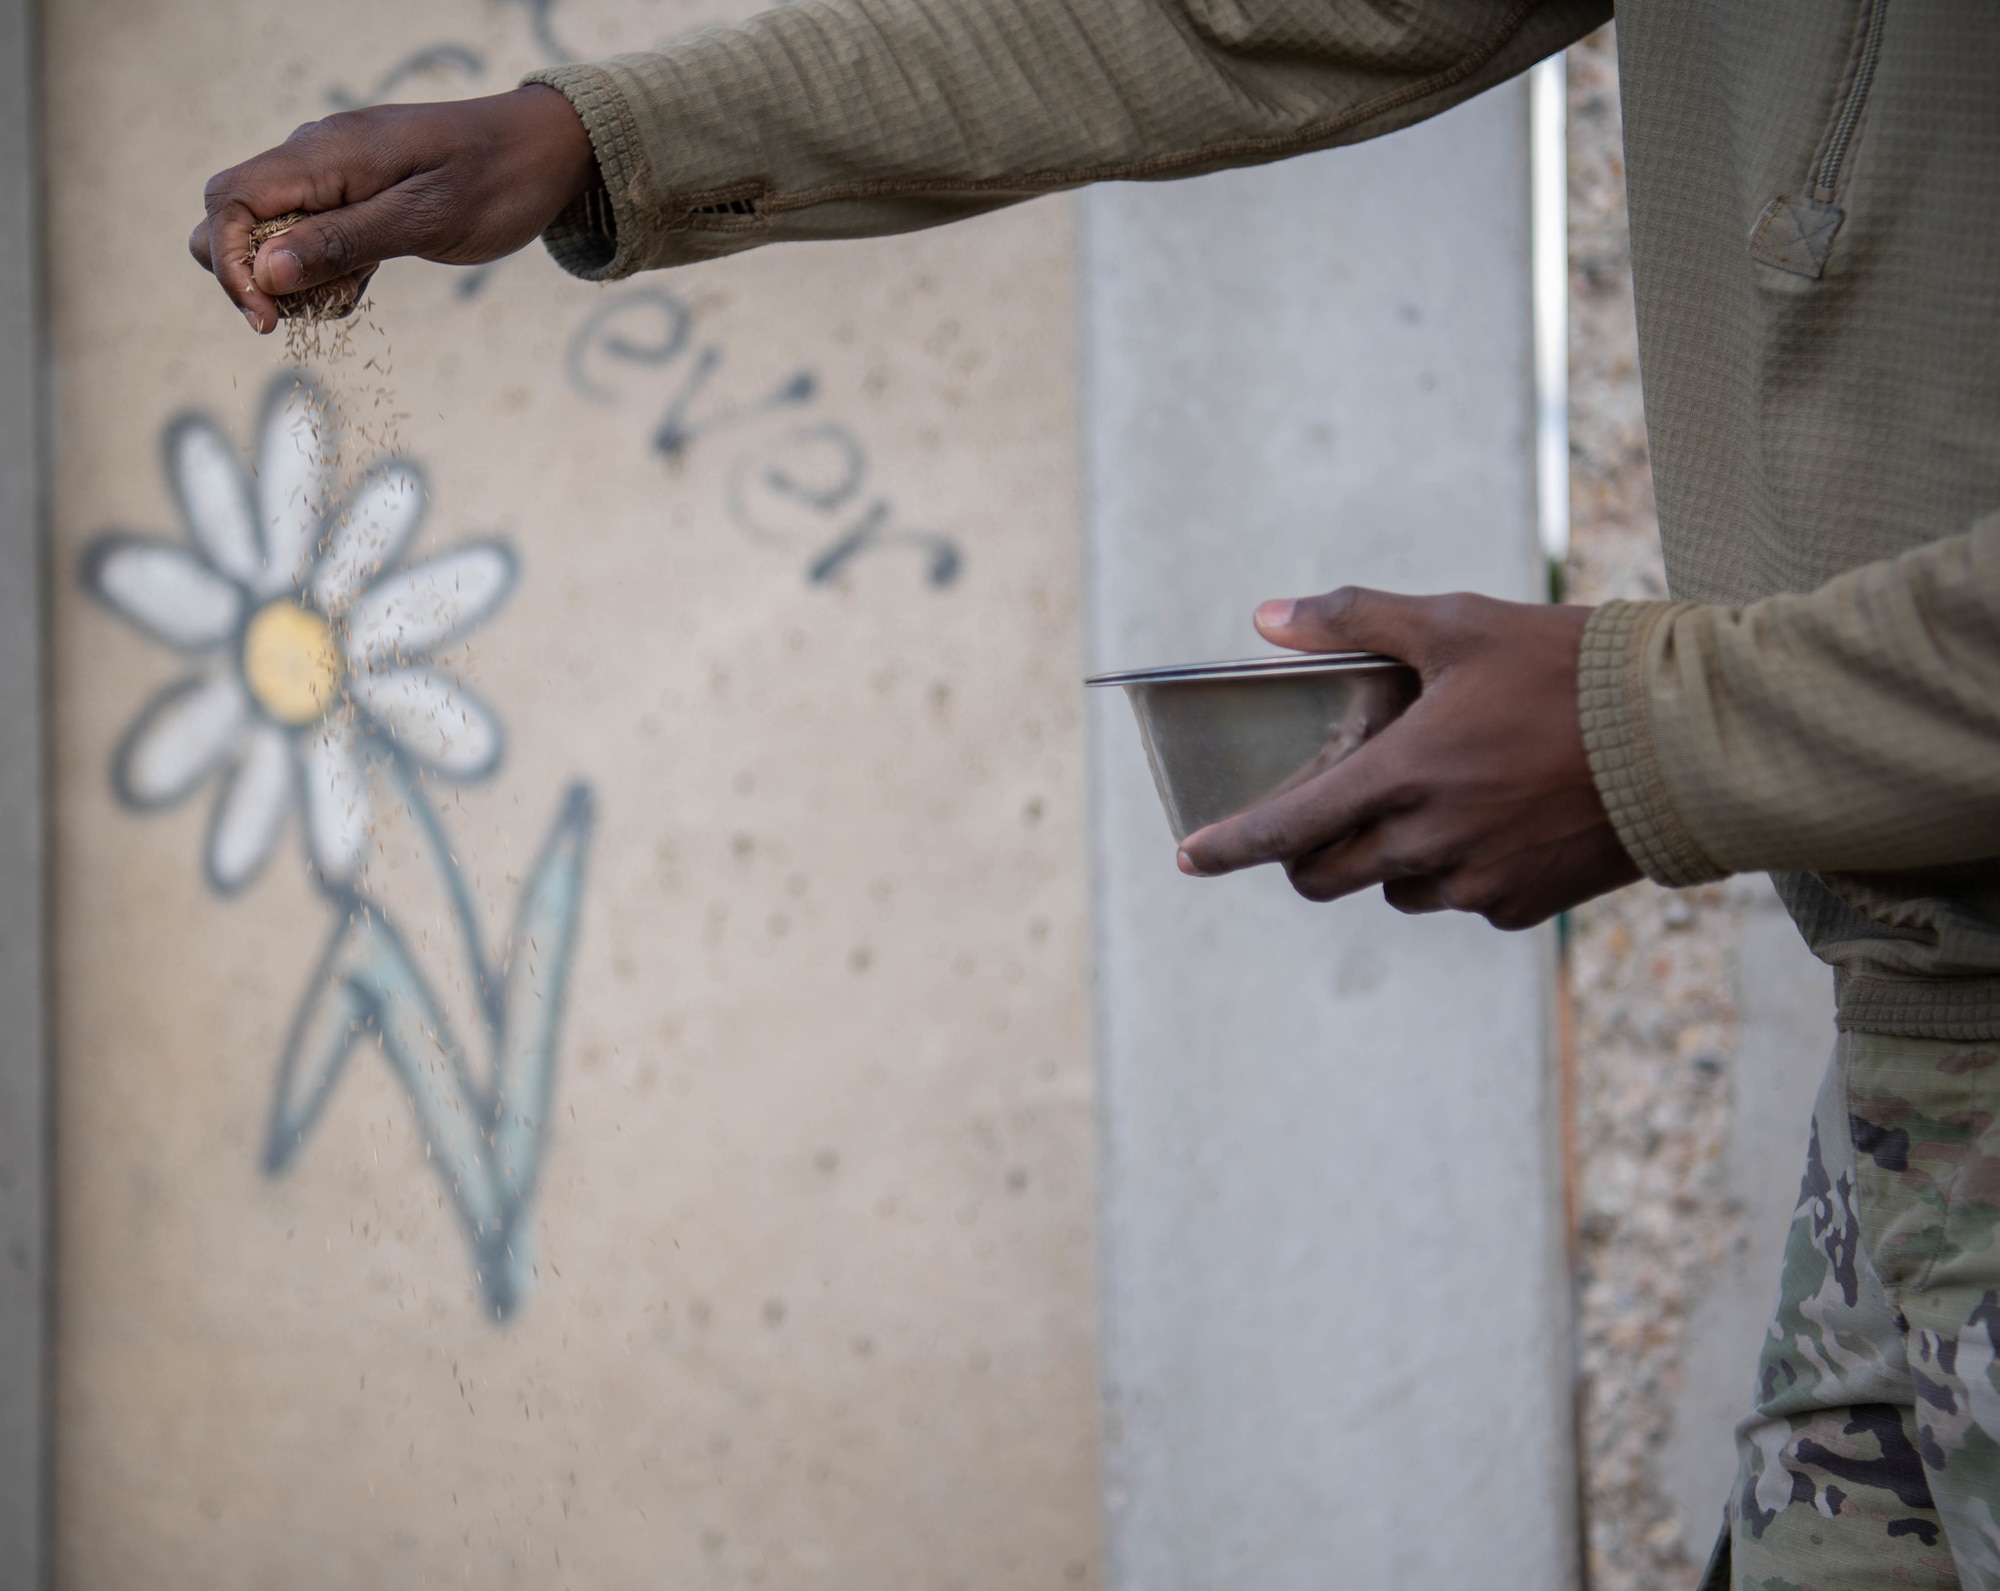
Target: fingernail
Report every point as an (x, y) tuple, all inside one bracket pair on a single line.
[(1275, 615), (1187, 864), (251, 316), (284, 270)]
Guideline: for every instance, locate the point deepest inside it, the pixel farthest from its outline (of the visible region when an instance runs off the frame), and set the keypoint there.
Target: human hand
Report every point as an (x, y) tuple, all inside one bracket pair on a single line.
[(460, 182), (1479, 798)]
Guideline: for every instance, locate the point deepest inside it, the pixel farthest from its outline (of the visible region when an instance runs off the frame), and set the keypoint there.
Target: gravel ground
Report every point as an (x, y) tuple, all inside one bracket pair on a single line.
[(1650, 971)]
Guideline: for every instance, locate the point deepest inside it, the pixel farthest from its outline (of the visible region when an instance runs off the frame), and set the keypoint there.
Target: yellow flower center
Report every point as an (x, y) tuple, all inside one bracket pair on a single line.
[(292, 662)]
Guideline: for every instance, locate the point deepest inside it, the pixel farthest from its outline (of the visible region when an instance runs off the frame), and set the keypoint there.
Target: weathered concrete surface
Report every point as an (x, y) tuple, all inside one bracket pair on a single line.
[(806, 1278), (23, 1042), (1334, 1335)]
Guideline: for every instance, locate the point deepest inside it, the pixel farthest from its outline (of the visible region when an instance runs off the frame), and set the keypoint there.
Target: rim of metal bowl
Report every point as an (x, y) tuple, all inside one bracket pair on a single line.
[(1252, 668)]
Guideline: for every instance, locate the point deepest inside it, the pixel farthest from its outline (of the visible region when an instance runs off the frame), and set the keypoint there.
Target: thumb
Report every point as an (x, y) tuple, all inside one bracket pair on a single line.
[(348, 242), (1352, 619)]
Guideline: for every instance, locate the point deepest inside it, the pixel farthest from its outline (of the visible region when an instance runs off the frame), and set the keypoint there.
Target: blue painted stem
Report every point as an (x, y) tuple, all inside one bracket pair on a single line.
[(485, 1138)]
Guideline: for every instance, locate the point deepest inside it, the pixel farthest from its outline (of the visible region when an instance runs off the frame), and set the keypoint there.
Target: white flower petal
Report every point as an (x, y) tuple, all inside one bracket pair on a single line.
[(165, 590), (367, 535), (432, 718), (418, 610), (251, 812), (295, 453), (336, 794), (179, 739), (215, 499)]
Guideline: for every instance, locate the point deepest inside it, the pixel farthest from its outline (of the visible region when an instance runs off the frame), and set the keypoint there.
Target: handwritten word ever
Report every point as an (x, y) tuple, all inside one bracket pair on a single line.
[(804, 488)]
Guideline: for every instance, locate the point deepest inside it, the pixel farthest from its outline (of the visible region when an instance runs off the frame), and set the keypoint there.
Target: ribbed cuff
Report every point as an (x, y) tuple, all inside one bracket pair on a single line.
[(584, 240), (1612, 704)]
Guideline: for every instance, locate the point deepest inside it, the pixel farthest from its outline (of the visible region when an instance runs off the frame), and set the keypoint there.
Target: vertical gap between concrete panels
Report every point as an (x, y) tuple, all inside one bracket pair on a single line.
[(1089, 576), (1548, 184), (1330, 1138), (24, 1073)]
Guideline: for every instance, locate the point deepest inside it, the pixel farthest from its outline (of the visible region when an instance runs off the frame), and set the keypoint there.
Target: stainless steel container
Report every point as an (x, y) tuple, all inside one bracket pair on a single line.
[(1222, 737)]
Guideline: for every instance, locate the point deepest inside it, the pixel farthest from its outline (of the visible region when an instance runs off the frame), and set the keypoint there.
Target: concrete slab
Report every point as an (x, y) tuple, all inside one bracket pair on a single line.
[(795, 1288), (1332, 1290)]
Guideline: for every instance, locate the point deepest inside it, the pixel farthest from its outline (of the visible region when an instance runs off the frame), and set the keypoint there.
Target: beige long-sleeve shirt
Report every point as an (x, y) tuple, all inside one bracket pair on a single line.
[(1815, 198)]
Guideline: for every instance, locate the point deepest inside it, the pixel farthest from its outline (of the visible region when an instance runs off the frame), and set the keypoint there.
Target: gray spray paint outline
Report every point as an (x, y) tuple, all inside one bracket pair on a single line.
[(485, 1140), (842, 535), (484, 1135)]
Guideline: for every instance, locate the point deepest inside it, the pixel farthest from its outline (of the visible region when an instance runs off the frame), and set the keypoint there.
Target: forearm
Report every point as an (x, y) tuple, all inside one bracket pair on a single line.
[(843, 118), (1854, 728)]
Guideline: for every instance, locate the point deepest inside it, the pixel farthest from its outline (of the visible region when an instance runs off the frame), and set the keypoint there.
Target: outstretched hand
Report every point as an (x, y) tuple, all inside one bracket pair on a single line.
[(461, 182), (1479, 798)]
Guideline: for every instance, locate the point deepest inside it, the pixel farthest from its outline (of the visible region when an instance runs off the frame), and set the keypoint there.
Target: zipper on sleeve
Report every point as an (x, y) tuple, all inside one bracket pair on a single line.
[(1796, 234)]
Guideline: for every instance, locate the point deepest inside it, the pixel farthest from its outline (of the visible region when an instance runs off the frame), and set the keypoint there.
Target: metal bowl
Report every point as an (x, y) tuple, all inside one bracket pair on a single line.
[(1222, 737)]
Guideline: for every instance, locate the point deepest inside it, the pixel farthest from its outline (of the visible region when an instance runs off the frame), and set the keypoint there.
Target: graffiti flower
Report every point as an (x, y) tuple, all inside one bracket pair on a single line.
[(312, 642)]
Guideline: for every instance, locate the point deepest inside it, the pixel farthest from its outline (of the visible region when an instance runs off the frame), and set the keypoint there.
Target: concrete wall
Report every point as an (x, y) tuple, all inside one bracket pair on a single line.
[(1334, 1323), (23, 1035), (789, 830), (764, 905)]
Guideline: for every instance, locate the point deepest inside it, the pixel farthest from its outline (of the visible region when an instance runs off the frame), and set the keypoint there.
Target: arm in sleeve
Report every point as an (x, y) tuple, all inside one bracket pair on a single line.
[(854, 118), (1855, 728)]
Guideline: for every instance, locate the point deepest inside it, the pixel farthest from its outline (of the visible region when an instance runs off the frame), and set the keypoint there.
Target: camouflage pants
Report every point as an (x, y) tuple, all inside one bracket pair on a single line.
[(1873, 1456)]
